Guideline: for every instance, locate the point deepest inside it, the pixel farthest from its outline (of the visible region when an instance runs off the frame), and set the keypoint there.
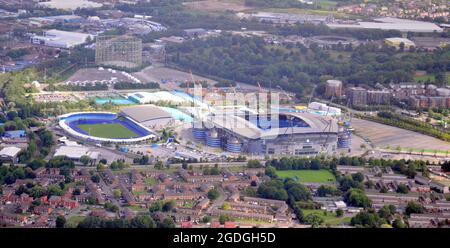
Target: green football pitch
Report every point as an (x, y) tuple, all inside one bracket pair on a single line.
[(110, 131), (308, 176)]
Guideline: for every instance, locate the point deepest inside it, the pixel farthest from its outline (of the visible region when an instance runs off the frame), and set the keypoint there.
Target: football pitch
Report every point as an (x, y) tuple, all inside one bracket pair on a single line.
[(110, 131), (308, 176)]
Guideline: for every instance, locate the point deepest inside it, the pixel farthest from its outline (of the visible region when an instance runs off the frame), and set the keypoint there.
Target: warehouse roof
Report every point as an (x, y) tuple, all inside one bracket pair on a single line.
[(147, 97), (75, 152), (10, 151), (389, 23)]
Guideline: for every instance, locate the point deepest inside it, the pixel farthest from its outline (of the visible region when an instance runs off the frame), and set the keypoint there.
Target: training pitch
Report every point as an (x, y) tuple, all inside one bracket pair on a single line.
[(308, 176), (110, 131)]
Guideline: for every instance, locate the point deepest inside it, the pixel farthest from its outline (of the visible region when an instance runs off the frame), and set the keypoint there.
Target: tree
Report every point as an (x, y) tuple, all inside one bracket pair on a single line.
[(117, 194), (111, 207), (384, 189), (357, 198), (249, 191), (85, 160), (36, 164), (358, 177), (37, 192), (60, 221), (298, 192), (142, 221), (326, 190), (167, 223), (387, 211), (54, 190), (159, 165), (226, 206), (213, 194), (273, 189), (413, 208), (184, 165), (313, 219), (224, 218), (339, 213), (399, 223), (367, 219), (206, 219), (402, 188), (76, 191), (95, 178), (446, 166), (168, 206), (254, 164), (271, 172), (155, 206)]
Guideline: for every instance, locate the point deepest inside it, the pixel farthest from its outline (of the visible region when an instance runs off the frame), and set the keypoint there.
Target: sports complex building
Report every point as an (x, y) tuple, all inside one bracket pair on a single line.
[(242, 130), (131, 125), (104, 127), (284, 134)]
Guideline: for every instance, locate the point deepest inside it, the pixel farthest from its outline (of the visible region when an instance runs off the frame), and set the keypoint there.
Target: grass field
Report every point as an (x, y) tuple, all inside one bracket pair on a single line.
[(150, 181), (110, 131), (73, 221), (431, 77), (329, 218), (308, 176)]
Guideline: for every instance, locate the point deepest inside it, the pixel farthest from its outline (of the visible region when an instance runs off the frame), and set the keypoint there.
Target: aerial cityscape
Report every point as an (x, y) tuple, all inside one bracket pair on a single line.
[(224, 114)]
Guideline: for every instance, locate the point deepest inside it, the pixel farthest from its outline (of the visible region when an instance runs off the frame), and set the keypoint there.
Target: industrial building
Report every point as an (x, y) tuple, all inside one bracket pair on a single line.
[(75, 153), (155, 97), (61, 39), (389, 23), (10, 154), (301, 134), (397, 41), (431, 43), (323, 109), (51, 20), (70, 5), (285, 18)]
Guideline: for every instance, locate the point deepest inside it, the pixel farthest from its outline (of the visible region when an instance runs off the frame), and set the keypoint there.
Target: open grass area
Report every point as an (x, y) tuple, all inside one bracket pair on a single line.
[(110, 131), (150, 181), (329, 218), (308, 176), (430, 77), (136, 208), (74, 220)]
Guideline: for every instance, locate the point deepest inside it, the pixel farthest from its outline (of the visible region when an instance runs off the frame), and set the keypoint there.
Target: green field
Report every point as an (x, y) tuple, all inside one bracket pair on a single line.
[(150, 181), (110, 131), (73, 221), (308, 176), (329, 218), (430, 77)]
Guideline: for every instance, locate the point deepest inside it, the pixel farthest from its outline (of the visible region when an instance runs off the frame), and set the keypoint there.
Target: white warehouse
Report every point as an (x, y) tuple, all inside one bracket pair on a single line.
[(61, 39)]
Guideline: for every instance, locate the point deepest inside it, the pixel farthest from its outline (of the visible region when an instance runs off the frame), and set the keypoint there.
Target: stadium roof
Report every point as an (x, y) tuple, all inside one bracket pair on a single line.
[(317, 124), (144, 113)]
